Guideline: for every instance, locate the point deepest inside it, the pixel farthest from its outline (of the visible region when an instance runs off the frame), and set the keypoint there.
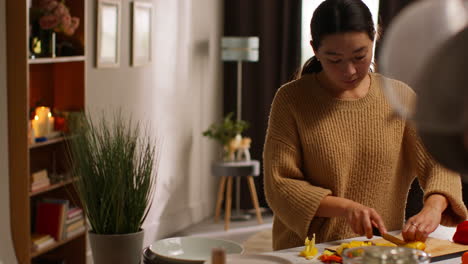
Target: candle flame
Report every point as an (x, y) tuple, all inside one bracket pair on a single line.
[(49, 114), (36, 117)]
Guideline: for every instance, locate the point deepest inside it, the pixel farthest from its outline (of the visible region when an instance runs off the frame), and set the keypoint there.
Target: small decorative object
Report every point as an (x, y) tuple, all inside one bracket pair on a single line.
[(243, 152), (228, 134), (43, 122), (142, 21), (48, 17), (113, 166), (108, 33)]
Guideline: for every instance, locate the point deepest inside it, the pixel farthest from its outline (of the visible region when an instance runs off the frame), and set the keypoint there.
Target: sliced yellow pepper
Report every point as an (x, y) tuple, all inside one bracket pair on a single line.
[(416, 245), (310, 250), (352, 244)]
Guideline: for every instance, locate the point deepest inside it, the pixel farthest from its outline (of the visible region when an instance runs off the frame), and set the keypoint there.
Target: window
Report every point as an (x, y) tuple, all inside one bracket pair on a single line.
[(308, 8)]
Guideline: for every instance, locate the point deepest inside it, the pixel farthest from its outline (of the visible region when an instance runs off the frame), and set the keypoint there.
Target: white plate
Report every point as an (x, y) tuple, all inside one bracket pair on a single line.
[(254, 259), (190, 249)]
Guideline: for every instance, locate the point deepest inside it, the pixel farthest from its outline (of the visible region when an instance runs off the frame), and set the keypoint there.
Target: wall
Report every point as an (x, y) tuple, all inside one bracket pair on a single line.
[(7, 254), (177, 96)]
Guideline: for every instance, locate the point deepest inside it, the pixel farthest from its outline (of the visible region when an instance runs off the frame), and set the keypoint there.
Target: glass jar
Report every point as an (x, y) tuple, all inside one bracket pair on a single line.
[(384, 255)]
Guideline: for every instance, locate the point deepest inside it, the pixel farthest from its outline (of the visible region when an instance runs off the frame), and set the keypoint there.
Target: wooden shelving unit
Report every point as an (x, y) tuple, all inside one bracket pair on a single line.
[(58, 83)]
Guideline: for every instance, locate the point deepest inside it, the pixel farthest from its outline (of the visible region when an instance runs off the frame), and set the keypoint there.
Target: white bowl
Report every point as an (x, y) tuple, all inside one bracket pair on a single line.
[(190, 249)]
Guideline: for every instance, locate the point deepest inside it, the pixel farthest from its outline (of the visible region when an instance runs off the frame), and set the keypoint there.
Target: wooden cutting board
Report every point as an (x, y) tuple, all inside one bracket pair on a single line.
[(438, 248)]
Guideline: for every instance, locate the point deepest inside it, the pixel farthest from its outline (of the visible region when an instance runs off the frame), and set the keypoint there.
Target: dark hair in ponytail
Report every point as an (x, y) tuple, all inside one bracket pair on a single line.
[(337, 16)]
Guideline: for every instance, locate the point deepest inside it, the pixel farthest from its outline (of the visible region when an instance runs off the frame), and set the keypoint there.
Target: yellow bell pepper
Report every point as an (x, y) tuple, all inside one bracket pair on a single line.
[(416, 245), (310, 250), (352, 244)]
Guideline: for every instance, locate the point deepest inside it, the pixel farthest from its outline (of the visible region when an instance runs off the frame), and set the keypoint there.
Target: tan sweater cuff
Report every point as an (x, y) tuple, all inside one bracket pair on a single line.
[(449, 185)]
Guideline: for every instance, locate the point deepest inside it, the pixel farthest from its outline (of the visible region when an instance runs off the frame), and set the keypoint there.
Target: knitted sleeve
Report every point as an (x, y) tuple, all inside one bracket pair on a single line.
[(434, 178), (291, 197)]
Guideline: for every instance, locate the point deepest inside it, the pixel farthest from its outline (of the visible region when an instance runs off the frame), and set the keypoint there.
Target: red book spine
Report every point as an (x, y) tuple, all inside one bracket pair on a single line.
[(49, 219)]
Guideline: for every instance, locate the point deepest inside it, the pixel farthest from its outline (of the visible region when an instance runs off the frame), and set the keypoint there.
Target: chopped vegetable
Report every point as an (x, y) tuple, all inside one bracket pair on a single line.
[(352, 244), (416, 245), (331, 258), (310, 250), (465, 258), (328, 252)]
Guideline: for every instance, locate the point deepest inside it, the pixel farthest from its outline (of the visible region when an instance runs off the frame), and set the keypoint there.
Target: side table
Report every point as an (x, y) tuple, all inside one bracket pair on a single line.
[(238, 169)]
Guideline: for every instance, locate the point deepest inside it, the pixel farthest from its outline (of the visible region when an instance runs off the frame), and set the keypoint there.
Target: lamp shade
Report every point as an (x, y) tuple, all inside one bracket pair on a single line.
[(239, 48)]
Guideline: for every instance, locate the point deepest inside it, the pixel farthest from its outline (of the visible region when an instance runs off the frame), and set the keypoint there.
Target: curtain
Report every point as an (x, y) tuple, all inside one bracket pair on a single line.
[(278, 25), (388, 9)]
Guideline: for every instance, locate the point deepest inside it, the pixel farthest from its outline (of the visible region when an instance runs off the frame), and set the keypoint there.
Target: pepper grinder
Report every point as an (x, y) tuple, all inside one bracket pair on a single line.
[(218, 256)]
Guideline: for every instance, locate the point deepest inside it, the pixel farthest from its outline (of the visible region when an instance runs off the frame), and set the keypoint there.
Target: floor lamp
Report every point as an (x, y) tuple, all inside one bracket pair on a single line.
[(239, 49)]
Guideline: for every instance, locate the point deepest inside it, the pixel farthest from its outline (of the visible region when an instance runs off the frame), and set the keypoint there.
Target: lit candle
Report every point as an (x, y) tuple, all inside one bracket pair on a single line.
[(41, 121), (51, 124), (36, 126), (42, 112)]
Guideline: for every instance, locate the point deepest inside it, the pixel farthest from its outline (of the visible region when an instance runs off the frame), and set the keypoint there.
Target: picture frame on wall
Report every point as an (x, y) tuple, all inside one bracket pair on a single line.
[(142, 39), (108, 33)]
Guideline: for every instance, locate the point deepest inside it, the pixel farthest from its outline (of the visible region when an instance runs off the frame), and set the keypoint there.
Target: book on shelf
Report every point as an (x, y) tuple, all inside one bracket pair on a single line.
[(39, 175), (39, 180), (76, 231), (75, 225), (74, 212), (51, 216), (75, 222), (76, 218), (40, 241)]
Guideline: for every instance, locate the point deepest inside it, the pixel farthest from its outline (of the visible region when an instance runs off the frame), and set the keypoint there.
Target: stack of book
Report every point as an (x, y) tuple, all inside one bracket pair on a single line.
[(41, 241), (39, 181), (75, 223)]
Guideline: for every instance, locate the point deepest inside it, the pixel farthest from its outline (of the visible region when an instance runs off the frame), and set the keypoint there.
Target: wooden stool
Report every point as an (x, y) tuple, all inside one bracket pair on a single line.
[(228, 170)]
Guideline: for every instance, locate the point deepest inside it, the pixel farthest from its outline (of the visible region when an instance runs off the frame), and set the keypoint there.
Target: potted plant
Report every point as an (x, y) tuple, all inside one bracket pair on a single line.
[(228, 134), (113, 167)]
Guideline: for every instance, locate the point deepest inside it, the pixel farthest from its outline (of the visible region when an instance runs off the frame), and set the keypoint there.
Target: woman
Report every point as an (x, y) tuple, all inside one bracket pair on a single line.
[(336, 160)]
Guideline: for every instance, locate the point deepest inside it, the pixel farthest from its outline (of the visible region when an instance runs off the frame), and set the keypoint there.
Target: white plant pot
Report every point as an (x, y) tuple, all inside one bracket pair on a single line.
[(117, 249)]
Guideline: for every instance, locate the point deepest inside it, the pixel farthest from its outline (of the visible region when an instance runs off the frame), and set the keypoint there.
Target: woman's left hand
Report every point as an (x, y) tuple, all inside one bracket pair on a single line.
[(418, 227)]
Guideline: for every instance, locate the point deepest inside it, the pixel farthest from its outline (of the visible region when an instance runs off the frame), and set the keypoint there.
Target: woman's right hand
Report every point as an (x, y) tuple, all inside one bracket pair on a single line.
[(362, 218)]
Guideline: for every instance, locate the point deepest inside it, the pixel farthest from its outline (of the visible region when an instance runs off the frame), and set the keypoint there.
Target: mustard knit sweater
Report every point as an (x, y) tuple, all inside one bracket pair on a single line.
[(317, 145)]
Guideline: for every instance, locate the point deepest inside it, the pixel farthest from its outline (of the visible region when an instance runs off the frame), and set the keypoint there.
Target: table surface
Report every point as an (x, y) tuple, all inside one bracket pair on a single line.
[(292, 254)]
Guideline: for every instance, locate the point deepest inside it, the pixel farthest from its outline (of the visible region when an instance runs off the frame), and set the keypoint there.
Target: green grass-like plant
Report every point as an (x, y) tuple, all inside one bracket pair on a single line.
[(113, 166)]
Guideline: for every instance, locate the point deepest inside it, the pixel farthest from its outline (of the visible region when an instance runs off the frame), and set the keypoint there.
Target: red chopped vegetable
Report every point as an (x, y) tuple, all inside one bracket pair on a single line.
[(332, 258), (461, 234)]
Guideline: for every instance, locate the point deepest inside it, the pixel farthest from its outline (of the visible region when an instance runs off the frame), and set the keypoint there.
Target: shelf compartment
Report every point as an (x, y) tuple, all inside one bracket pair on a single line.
[(58, 86), (36, 253)]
